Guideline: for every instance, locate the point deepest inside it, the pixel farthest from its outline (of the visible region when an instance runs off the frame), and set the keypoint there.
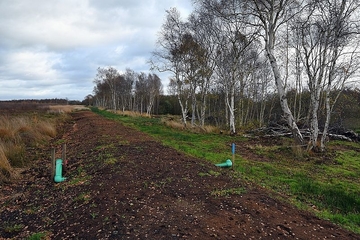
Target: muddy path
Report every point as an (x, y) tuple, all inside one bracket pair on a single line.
[(123, 184)]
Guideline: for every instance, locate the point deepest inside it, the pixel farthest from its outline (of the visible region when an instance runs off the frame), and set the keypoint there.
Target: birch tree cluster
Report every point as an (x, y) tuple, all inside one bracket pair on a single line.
[(229, 58), (128, 91)]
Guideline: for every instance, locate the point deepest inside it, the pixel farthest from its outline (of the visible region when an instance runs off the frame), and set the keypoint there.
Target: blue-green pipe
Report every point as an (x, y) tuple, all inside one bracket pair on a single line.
[(58, 171), (227, 163)]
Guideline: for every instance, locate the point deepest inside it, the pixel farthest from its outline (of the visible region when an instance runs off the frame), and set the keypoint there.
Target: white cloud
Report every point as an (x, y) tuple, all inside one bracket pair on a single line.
[(33, 65), (54, 47), (63, 25)]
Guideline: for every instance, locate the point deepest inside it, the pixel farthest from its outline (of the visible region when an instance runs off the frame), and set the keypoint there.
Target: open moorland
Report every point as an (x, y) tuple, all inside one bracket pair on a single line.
[(125, 184)]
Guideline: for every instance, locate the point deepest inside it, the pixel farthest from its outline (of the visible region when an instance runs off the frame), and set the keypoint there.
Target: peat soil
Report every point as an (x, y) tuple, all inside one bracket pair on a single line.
[(124, 184)]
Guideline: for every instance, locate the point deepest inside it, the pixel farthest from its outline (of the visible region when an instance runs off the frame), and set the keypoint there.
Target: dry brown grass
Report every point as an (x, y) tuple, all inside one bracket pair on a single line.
[(17, 132), (24, 125), (5, 167), (7, 171), (177, 124), (59, 109), (5, 134), (46, 129), (211, 129), (173, 124), (205, 129), (132, 114)]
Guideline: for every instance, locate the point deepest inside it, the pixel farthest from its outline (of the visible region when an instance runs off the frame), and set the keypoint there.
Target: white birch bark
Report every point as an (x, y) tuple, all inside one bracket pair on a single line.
[(283, 99), (273, 14)]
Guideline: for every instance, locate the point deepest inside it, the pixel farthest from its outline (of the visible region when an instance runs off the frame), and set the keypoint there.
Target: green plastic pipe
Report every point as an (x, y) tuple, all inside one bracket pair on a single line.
[(227, 163), (58, 171)]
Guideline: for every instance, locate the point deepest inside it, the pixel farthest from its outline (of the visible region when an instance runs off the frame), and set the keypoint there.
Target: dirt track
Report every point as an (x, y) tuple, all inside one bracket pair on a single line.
[(123, 184)]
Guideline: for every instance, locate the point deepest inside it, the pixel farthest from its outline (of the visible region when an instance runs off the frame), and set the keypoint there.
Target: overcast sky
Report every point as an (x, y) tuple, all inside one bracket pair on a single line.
[(51, 49)]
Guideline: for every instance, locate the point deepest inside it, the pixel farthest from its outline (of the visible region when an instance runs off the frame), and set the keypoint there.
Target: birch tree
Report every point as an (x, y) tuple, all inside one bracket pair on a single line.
[(201, 25), (102, 94), (191, 54), (329, 52), (125, 90), (109, 76), (141, 88), (168, 57), (232, 43), (344, 62), (154, 89), (271, 15), (130, 79)]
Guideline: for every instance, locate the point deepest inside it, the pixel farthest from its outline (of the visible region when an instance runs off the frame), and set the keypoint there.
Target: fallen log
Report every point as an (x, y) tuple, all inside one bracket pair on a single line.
[(270, 132), (339, 137)]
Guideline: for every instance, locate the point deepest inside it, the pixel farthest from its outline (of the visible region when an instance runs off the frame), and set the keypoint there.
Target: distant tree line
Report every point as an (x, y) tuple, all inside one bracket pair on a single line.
[(27, 103), (128, 91), (24, 105), (60, 101)]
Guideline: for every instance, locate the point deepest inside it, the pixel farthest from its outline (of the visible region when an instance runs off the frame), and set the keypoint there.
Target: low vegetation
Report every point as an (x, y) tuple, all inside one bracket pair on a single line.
[(325, 184), (27, 127)]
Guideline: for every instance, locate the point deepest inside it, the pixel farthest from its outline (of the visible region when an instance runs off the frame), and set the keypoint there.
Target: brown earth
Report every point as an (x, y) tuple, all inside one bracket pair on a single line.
[(123, 184)]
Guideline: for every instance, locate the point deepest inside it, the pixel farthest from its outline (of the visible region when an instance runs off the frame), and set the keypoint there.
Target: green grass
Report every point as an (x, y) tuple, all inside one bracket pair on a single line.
[(77, 178), (228, 192), (82, 197), (11, 228), (38, 236), (210, 173), (327, 185)]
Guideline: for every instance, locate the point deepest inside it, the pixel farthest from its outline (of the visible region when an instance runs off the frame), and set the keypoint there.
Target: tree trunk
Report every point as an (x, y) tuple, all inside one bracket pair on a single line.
[(114, 100), (283, 100), (150, 105), (203, 111), (231, 106), (314, 122), (203, 97), (183, 110), (327, 121), (193, 106)]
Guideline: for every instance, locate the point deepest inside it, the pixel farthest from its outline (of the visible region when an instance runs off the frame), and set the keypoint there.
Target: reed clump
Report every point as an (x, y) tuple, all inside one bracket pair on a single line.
[(6, 171), (17, 133)]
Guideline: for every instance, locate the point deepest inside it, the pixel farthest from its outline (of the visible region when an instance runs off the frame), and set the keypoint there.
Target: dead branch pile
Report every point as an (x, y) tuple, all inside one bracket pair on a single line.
[(275, 130)]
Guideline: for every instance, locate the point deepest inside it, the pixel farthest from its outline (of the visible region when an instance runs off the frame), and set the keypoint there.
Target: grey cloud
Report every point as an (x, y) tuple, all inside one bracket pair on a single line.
[(53, 48)]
